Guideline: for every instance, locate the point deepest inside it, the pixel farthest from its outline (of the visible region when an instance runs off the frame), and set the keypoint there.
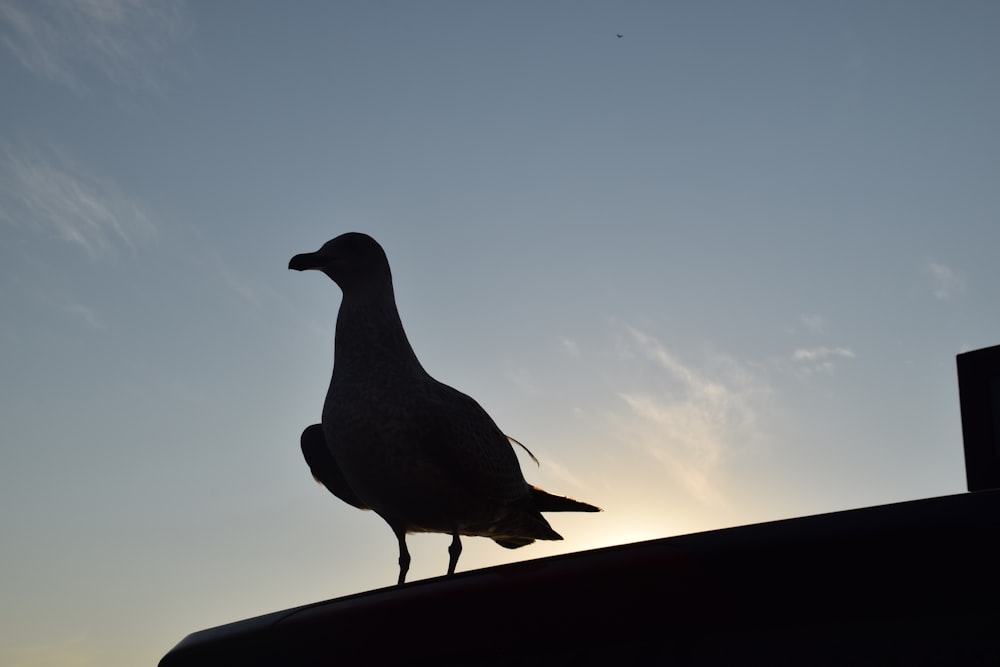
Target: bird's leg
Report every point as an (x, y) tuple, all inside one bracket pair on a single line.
[(453, 551), (404, 556)]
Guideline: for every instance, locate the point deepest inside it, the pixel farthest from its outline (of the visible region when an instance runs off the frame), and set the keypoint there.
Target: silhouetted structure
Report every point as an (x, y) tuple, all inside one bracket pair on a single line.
[(423, 456), (907, 583), (979, 393)]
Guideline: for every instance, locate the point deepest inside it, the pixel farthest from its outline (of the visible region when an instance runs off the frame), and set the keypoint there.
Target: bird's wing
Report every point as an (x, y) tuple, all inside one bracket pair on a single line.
[(473, 451), (324, 467)]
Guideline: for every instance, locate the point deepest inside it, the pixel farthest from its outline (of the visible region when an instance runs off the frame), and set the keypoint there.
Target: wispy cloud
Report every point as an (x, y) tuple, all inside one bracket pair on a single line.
[(236, 283), (67, 304), (123, 40), (49, 193), (693, 419), (523, 379), (814, 323), (562, 473), (569, 346), (820, 359), (818, 353), (946, 282), (85, 313)]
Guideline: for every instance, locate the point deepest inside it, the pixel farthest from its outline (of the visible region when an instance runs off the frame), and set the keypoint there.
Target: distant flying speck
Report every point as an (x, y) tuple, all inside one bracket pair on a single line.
[(423, 456), (619, 35)]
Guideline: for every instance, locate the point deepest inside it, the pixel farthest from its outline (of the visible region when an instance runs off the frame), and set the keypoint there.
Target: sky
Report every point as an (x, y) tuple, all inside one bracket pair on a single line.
[(712, 272)]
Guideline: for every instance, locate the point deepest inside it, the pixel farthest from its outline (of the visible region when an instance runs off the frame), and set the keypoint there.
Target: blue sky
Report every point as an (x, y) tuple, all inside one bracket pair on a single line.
[(712, 273)]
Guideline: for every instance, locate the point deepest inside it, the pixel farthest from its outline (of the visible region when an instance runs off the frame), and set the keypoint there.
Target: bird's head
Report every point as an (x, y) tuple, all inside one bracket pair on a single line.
[(350, 260)]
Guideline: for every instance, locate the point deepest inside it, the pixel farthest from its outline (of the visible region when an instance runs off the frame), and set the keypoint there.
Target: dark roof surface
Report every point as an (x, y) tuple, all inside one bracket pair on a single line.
[(914, 582)]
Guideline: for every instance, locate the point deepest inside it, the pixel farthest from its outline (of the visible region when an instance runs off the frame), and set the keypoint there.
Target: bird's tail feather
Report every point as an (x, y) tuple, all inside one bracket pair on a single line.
[(543, 501)]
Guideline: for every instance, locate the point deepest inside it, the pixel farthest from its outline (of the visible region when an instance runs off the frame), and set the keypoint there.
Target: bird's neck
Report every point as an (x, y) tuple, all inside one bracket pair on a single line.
[(370, 338)]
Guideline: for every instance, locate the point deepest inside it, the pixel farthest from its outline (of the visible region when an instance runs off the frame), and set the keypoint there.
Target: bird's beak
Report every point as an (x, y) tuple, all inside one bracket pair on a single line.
[(306, 261)]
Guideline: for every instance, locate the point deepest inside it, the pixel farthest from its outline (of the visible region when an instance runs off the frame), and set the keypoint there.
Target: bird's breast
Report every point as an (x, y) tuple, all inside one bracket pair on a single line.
[(379, 439)]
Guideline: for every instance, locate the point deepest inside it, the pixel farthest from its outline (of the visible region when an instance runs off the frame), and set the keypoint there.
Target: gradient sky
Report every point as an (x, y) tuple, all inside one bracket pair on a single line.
[(712, 273)]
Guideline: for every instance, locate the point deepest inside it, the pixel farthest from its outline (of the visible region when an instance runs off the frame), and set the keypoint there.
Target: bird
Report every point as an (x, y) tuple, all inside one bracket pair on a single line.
[(420, 454), (619, 35)]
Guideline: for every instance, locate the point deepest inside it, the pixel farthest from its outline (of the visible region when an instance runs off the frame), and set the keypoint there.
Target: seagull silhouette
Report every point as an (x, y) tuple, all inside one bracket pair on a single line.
[(423, 456)]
